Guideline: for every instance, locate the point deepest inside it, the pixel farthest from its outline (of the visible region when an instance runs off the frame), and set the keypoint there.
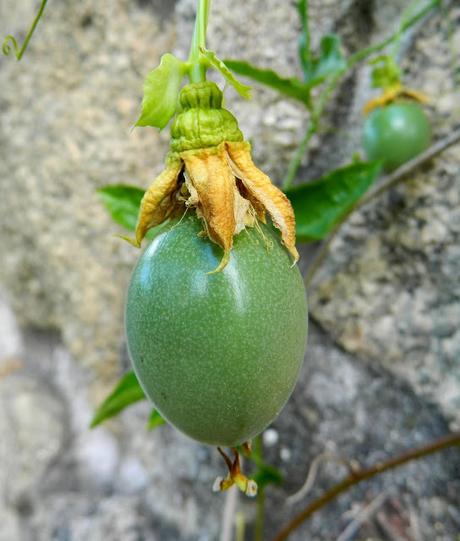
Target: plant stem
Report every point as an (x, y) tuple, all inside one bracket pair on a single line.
[(364, 53), (11, 41), (260, 511), (313, 127), (367, 473), (260, 515), (326, 95), (296, 159), (304, 39), (240, 527), (197, 70), (396, 46), (387, 182)]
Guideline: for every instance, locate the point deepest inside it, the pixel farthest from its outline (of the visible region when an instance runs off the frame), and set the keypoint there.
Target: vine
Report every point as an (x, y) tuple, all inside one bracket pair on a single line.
[(327, 68), (360, 475), (11, 45), (317, 110)]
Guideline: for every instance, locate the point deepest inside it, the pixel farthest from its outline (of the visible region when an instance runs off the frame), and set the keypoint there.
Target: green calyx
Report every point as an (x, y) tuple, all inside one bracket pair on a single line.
[(202, 121), (203, 95), (385, 72)]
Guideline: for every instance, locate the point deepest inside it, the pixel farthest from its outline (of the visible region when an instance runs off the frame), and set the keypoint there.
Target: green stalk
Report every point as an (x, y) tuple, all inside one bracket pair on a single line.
[(364, 53), (354, 59), (260, 509), (397, 42), (296, 159), (10, 41), (313, 128), (305, 39), (197, 69)]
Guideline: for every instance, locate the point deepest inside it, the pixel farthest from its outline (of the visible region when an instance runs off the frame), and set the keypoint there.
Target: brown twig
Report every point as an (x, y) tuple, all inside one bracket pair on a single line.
[(356, 477), (389, 181)]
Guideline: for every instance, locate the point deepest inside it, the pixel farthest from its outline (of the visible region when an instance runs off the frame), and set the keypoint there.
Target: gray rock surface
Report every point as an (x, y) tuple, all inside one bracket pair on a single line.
[(64, 131), (350, 410), (389, 291), (9, 525), (388, 294), (31, 414)]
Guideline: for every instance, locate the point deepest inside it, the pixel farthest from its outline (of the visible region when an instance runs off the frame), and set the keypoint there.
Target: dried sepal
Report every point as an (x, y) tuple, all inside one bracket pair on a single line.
[(235, 476), (415, 95), (212, 190), (259, 209), (157, 204), (392, 94), (260, 187), (210, 170)]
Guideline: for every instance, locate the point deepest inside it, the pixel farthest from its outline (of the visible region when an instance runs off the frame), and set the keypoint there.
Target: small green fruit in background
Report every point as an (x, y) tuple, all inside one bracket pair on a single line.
[(396, 133), (217, 354)]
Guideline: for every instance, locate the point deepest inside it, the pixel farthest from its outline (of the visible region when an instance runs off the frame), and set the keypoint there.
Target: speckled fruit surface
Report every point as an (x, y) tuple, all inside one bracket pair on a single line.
[(217, 354), (396, 133)]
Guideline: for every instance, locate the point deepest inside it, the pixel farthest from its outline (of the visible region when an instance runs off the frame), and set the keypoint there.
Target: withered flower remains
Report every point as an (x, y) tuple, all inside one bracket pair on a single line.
[(209, 168)]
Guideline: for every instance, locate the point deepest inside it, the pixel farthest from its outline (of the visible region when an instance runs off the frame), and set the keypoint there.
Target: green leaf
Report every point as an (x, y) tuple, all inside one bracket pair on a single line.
[(319, 205), (122, 202), (293, 87), (330, 61), (127, 392), (161, 92), (266, 475), (155, 420), (242, 89)]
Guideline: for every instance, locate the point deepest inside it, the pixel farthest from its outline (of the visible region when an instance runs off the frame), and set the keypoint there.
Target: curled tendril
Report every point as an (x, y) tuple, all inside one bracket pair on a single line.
[(10, 43)]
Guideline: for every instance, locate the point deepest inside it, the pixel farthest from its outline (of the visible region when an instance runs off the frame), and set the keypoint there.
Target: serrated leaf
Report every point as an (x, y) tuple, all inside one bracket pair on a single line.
[(242, 89), (127, 392), (161, 92), (319, 205), (291, 87), (155, 420), (122, 202), (330, 61)]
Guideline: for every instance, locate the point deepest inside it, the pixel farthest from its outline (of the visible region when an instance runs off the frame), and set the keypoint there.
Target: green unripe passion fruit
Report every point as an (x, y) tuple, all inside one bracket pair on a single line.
[(396, 133), (217, 354)]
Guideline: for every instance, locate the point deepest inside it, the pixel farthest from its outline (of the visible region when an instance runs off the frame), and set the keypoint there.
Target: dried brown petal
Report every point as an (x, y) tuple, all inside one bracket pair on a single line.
[(156, 205), (259, 209), (260, 187), (392, 94), (214, 183)]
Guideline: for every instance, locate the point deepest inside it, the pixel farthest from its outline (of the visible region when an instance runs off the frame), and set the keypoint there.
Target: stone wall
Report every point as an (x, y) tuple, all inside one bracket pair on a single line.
[(382, 370)]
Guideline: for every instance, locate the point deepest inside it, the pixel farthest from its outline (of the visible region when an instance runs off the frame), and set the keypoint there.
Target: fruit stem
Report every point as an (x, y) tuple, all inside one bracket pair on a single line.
[(352, 61), (304, 39), (260, 503), (197, 69)]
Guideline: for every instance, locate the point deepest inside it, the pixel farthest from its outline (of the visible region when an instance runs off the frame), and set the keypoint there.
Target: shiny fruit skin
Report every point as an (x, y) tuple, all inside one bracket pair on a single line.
[(217, 354), (396, 133)]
